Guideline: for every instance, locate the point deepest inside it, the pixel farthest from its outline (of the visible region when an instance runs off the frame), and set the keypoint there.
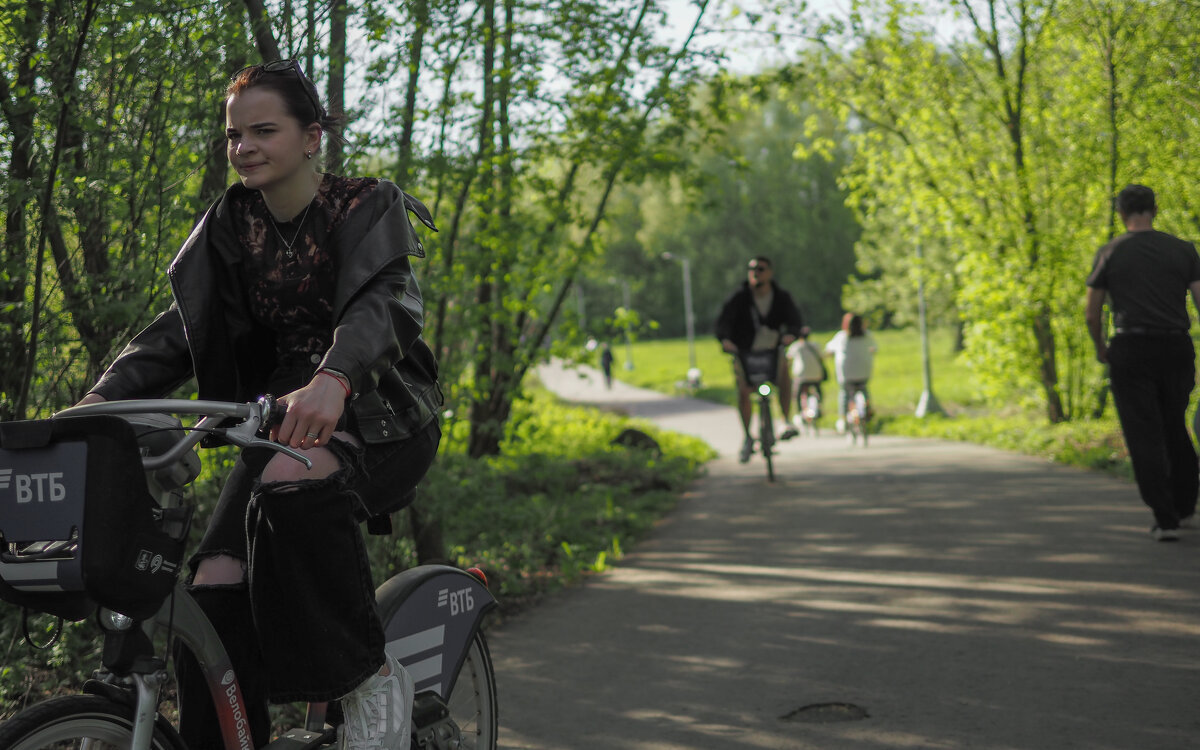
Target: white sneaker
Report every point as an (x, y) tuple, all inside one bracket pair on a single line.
[(379, 712), (1164, 535)]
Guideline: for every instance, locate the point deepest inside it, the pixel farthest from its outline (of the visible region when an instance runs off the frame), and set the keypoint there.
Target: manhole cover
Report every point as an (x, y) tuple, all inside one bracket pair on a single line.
[(826, 713)]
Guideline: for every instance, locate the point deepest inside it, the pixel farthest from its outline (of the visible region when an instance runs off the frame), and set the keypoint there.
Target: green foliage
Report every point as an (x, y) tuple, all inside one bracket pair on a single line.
[(761, 179), (996, 148), (560, 500), (1092, 444), (115, 186)]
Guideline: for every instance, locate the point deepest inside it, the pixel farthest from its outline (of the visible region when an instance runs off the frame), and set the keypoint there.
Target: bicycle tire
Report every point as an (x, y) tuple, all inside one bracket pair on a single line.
[(766, 432), (860, 404), (74, 721), (472, 703)]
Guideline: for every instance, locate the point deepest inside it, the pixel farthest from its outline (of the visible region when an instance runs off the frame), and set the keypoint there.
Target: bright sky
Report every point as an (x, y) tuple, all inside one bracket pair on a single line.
[(749, 50)]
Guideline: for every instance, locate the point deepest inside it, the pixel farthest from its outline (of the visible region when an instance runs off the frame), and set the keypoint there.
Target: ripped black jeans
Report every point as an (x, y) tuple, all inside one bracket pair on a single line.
[(303, 627)]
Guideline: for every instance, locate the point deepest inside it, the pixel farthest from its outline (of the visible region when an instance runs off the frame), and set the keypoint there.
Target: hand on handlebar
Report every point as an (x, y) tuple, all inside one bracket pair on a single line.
[(312, 413)]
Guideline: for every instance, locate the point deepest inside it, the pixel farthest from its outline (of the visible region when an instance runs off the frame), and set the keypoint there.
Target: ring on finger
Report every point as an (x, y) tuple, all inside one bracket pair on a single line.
[(313, 435)]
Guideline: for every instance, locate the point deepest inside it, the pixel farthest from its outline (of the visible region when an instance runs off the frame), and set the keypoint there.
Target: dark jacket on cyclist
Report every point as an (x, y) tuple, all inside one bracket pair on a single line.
[(209, 332), (739, 319)]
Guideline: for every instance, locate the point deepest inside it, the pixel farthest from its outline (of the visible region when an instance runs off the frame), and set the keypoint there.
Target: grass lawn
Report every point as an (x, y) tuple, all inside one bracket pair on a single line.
[(896, 388)]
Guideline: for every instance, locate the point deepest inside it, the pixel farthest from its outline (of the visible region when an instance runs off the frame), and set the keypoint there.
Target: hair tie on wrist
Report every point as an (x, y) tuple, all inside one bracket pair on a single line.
[(339, 381)]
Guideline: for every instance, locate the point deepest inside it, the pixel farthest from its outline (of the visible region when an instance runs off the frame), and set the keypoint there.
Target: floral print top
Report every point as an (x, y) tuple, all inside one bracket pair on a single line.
[(291, 288)]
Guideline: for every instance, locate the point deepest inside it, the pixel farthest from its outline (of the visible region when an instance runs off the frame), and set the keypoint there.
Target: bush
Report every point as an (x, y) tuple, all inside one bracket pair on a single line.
[(560, 501)]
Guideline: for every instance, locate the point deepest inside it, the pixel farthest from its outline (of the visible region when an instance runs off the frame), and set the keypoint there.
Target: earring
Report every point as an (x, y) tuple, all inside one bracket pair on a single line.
[(308, 154)]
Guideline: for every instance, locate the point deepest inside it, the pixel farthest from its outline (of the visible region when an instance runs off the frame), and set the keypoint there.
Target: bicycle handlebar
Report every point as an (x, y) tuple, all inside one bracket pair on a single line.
[(254, 416)]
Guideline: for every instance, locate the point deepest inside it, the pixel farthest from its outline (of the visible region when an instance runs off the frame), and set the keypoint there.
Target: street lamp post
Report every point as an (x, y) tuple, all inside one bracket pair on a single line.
[(928, 403), (693, 373), (628, 302)]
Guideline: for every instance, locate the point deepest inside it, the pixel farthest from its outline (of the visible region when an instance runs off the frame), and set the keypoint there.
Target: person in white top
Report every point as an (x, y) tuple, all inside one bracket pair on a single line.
[(808, 372), (853, 352)]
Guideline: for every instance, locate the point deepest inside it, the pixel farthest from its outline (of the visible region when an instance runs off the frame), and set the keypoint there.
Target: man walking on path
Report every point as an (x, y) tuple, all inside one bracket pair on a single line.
[(759, 316), (1146, 275)]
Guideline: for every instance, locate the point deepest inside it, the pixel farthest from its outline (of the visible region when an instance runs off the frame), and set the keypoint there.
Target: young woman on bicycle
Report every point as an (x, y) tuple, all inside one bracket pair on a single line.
[(808, 372), (317, 267), (853, 352)]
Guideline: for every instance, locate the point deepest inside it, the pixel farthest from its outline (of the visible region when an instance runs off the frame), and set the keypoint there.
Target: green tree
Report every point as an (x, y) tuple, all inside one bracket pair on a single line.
[(519, 167), (1001, 148), (761, 179), (100, 185)]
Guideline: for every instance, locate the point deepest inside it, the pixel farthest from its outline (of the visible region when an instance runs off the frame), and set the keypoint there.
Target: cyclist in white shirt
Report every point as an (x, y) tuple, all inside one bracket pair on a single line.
[(853, 352)]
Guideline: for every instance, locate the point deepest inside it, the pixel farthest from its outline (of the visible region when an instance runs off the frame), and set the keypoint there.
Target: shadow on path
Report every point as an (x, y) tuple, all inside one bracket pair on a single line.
[(962, 596)]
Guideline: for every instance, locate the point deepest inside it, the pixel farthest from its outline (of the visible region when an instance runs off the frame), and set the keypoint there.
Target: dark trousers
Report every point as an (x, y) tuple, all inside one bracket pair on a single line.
[(303, 627), (1152, 378)]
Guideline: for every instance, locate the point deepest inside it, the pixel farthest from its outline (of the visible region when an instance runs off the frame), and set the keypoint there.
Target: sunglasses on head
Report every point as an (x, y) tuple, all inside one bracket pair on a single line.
[(288, 66)]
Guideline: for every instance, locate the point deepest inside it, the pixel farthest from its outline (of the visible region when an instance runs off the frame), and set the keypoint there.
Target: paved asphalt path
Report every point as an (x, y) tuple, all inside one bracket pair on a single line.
[(958, 596)]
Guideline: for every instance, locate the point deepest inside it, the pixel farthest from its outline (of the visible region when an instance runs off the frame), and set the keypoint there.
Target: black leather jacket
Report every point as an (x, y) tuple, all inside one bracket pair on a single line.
[(738, 320), (377, 310)]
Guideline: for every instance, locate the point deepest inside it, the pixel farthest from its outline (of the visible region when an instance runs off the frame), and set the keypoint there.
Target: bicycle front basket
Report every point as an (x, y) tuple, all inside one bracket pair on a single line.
[(77, 524), (759, 366)]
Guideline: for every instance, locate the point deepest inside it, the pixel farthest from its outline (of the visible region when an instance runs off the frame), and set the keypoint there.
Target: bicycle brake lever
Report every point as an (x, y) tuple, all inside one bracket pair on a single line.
[(280, 448), (246, 435)]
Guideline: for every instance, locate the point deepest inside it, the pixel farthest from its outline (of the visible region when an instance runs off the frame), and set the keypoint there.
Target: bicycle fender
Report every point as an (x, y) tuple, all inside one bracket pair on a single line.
[(430, 615)]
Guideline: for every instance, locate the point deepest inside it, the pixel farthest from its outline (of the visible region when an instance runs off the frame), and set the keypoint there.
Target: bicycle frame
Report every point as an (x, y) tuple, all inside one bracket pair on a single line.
[(431, 613), (760, 369), (856, 411), (181, 616)]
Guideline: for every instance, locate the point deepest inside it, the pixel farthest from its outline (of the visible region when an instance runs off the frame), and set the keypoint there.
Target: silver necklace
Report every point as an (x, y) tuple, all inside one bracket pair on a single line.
[(299, 230)]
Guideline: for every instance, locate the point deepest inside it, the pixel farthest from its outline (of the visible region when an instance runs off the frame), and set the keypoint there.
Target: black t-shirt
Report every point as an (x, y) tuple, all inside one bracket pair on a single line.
[(1146, 275)]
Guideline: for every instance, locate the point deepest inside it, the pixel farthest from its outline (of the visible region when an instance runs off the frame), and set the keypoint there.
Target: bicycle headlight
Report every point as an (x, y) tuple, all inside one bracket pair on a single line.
[(114, 621), (764, 389)]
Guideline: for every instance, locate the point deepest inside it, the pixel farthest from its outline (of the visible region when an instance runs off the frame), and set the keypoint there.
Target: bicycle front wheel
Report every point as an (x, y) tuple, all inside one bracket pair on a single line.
[(766, 438), (80, 722)]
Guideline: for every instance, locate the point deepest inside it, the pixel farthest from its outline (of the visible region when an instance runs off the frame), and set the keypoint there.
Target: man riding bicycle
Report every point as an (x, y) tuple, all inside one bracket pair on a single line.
[(759, 316)]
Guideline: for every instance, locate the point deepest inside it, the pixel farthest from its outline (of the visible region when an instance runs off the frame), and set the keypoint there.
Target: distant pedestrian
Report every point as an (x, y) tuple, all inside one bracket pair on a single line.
[(1146, 276), (606, 360)]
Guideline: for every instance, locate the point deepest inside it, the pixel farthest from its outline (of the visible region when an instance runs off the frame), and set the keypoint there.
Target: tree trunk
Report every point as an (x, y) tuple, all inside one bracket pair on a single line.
[(1048, 368), (216, 163), (427, 536), (408, 118), (1108, 50), (19, 113), (335, 100), (65, 88), (260, 23), (1013, 101), (486, 431)]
